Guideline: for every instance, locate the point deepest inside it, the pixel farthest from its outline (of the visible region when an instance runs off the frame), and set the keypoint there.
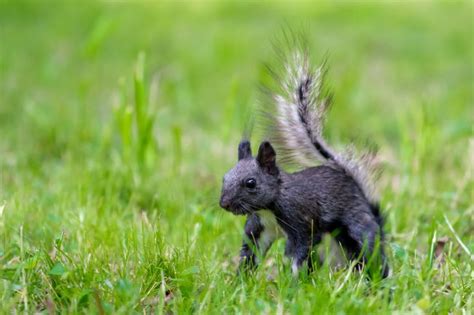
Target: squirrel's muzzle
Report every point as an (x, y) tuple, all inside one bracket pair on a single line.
[(224, 203)]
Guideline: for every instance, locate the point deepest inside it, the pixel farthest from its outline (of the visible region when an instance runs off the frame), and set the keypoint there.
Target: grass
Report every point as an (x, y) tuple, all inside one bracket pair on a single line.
[(118, 120)]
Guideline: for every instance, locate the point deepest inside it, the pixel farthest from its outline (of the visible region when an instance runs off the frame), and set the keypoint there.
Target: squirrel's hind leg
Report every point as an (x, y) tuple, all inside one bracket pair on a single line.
[(362, 240)]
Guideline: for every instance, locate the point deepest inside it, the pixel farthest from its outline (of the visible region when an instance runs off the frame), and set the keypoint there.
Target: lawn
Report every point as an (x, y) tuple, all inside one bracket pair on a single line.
[(118, 121)]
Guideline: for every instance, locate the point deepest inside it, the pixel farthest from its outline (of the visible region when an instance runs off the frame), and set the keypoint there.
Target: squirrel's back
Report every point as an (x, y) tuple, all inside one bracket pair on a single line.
[(328, 187)]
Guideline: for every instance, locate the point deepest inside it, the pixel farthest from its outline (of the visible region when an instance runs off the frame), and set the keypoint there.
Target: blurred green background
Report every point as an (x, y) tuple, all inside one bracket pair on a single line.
[(118, 120)]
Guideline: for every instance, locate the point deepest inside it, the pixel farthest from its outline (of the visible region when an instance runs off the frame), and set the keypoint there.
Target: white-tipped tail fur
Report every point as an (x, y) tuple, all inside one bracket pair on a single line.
[(298, 120)]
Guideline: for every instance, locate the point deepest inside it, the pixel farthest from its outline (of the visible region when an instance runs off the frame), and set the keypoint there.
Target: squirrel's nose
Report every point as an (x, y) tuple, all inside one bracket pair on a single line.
[(224, 203)]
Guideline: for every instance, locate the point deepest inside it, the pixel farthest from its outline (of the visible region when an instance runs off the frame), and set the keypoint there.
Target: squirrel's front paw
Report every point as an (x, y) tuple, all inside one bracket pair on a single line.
[(247, 264)]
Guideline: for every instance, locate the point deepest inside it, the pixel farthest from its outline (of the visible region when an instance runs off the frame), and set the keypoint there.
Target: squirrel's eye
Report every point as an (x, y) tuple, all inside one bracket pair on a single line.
[(251, 183)]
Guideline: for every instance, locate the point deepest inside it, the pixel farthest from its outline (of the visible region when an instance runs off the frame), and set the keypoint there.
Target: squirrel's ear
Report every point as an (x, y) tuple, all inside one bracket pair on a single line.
[(244, 150), (266, 158)]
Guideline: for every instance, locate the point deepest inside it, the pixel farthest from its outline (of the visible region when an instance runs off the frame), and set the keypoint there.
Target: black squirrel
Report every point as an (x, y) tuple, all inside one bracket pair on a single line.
[(335, 197)]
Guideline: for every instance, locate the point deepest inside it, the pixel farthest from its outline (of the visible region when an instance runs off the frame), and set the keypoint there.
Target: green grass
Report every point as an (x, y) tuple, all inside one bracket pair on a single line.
[(117, 122)]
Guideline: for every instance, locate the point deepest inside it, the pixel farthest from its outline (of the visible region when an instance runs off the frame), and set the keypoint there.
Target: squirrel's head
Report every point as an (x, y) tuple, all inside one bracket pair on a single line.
[(253, 183)]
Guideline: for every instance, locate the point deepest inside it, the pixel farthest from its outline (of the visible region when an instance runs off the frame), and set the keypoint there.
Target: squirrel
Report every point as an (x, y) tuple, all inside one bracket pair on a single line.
[(334, 197)]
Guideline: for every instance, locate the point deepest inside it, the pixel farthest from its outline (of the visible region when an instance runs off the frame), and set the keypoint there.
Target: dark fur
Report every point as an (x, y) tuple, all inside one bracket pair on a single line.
[(306, 204)]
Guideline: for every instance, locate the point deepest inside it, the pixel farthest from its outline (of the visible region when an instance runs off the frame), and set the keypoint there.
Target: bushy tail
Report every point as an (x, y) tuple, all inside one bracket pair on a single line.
[(299, 104)]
